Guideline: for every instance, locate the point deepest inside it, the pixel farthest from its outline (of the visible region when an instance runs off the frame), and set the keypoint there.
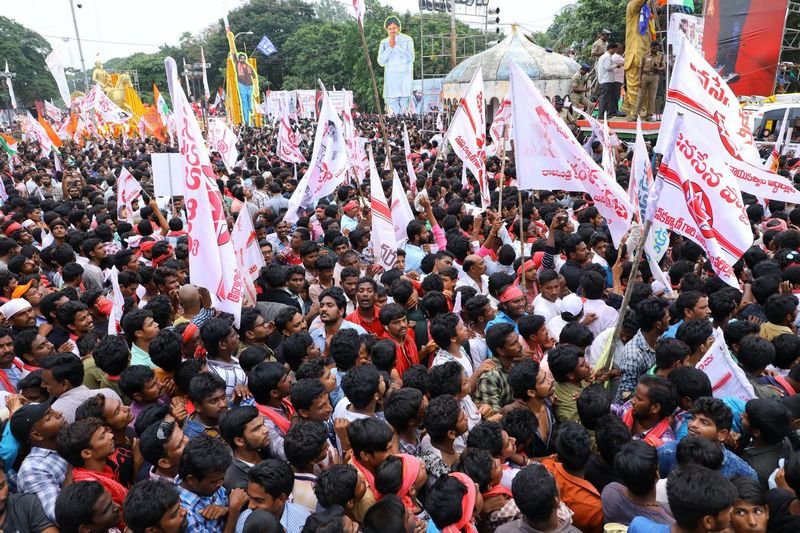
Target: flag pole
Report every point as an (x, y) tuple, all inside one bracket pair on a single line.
[(503, 173), (521, 241), (374, 88)]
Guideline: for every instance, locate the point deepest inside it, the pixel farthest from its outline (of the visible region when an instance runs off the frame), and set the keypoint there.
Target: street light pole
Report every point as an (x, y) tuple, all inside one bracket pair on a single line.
[(242, 33), (80, 48)]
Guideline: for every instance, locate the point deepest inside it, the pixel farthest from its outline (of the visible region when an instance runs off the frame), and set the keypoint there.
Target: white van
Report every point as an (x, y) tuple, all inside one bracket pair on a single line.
[(766, 120)]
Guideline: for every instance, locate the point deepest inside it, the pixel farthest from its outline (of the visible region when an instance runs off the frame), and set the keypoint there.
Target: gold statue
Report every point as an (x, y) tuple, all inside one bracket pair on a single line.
[(117, 91), (99, 75)]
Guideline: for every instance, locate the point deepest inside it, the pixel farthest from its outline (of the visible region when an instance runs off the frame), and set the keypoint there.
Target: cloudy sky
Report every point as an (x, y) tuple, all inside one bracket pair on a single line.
[(111, 29)]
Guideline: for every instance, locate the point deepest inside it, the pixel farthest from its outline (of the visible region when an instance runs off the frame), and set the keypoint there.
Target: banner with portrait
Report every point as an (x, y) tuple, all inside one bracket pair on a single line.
[(742, 39), (688, 26)]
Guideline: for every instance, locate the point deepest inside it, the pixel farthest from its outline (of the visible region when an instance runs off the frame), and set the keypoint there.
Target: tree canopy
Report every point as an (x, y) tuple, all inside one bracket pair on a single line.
[(25, 51)]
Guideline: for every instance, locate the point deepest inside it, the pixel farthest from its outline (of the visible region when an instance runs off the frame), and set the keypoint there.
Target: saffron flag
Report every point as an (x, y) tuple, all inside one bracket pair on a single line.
[(248, 254), (501, 119), (360, 8), (51, 134), (727, 379), (37, 133), (384, 245), (206, 92), (329, 162), (467, 134), (288, 144), (412, 176), (212, 261), (128, 189), (699, 198), (10, 89), (222, 139), (55, 63), (401, 211), (697, 90), (549, 157)]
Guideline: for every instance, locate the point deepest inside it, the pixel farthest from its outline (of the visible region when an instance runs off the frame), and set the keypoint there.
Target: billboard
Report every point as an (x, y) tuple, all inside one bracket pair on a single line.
[(742, 38)]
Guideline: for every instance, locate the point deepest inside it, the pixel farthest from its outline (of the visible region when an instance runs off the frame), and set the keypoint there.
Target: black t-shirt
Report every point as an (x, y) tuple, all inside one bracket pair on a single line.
[(780, 519), (24, 514)]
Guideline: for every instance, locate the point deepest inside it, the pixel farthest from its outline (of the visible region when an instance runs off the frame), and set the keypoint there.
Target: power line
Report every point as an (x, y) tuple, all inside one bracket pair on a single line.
[(65, 38)]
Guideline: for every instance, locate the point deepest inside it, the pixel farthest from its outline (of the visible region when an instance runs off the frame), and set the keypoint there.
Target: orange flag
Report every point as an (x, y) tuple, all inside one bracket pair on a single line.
[(50, 133), (152, 121)]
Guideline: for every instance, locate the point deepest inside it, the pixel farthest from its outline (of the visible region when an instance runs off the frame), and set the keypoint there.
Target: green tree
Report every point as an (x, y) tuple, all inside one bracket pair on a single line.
[(25, 51), (333, 11)]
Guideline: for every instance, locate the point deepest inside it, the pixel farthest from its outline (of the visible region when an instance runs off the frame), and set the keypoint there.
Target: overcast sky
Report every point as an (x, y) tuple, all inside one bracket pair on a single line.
[(109, 29)]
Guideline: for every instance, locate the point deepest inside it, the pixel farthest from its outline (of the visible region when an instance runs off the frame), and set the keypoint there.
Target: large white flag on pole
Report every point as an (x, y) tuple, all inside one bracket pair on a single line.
[(727, 379), (206, 92), (360, 8), (467, 133), (401, 211), (212, 262), (128, 189), (700, 198), (288, 145), (248, 254), (501, 119), (117, 301), (412, 176), (32, 127), (10, 89), (104, 106), (384, 243), (222, 140), (549, 157), (55, 63), (697, 90)]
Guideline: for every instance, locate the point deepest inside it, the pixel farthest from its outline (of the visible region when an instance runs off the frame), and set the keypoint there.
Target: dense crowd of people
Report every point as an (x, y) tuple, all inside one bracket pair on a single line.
[(474, 387)]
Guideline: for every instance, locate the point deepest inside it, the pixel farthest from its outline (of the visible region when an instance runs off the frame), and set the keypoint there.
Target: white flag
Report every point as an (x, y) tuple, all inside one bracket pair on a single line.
[(329, 162), (700, 198), (467, 134), (128, 189), (384, 244), (222, 139), (727, 379), (401, 211), (412, 176), (10, 89), (212, 262), (501, 119), (548, 156), (117, 301), (774, 160), (248, 254), (360, 9), (697, 90), (32, 127), (104, 106), (52, 111), (206, 92), (55, 63), (288, 144)]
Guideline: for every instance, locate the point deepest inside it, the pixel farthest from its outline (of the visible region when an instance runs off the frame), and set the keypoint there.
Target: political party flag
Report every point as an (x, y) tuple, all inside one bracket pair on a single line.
[(248, 254), (222, 139), (774, 160), (212, 261), (161, 105), (104, 106), (360, 8), (8, 144), (52, 111), (117, 301), (35, 130), (401, 211), (329, 162), (501, 119), (50, 133), (128, 189), (266, 47), (384, 245), (206, 92), (288, 144), (412, 176), (549, 157), (700, 198), (10, 89), (217, 99), (727, 379), (697, 90), (55, 63), (467, 134), (439, 125)]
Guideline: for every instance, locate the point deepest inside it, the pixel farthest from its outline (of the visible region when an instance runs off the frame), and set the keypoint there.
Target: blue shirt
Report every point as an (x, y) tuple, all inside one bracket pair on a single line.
[(194, 503), (414, 255), (641, 524), (317, 331), (673, 329), (732, 465), (502, 318)]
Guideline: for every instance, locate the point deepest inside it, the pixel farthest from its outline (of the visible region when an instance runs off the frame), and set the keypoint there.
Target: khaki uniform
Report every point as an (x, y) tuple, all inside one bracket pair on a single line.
[(599, 48), (651, 67), (567, 117), (581, 83)]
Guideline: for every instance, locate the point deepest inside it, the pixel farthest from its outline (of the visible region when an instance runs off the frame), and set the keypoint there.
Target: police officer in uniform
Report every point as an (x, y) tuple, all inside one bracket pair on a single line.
[(579, 90), (565, 113), (650, 70), (599, 46)]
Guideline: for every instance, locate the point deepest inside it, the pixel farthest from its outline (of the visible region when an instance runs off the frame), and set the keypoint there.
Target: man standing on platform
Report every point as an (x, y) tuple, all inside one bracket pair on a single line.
[(605, 77), (650, 70), (636, 45), (579, 89), (599, 46)]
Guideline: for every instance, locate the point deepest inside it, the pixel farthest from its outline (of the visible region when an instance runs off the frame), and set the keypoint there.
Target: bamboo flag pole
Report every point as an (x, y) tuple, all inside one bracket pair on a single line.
[(503, 174), (375, 90), (521, 242)]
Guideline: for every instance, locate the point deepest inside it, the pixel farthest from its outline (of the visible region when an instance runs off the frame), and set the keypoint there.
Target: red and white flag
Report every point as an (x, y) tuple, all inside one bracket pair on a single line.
[(774, 160), (698, 197), (501, 119), (727, 379), (329, 162), (212, 262), (383, 241), (128, 189), (221, 139), (52, 111), (697, 90), (248, 254), (467, 134), (412, 176), (401, 211), (37, 133), (288, 144), (117, 301), (104, 106), (549, 157), (360, 8)]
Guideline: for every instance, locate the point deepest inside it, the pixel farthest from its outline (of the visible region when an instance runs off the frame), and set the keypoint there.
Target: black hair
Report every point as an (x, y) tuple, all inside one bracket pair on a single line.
[(787, 350), (535, 493), (487, 436), (478, 465), (611, 434), (204, 385), (778, 306), (311, 369), (573, 446), (441, 416), (147, 502), (344, 347), (694, 333), (205, 455), (716, 410), (576, 334), (294, 348), (660, 391), (304, 442), (416, 377), (388, 515), (401, 407), (233, 422), (636, 464), (749, 490), (132, 322), (336, 485), (369, 435), (148, 416), (251, 356), (391, 312), (74, 505), (755, 354), (384, 355), (361, 384), (443, 329), (445, 379), (274, 476), (562, 360), (186, 371), (134, 378), (305, 391), (694, 492), (770, 418), (671, 351), (521, 424), (263, 379), (212, 332), (65, 366), (73, 438), (690, 382), (335, 293), (695, 450), (496, 336), (444, 501), (592, 284), (736, 330), (593, 403), (650, 311), (112, 355), (522, 377)]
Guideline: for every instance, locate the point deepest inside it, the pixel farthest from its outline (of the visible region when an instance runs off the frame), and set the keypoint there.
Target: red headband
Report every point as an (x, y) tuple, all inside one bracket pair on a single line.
[(11, 228), (467, 506), (189, 332), (511, 293), (166, 255)]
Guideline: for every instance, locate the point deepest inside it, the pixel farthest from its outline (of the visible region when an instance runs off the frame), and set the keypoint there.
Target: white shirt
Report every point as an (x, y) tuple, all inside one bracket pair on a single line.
[(555, 325), (606, 315), (605, 69), (598, 345), (546, 308), (467, 281)]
